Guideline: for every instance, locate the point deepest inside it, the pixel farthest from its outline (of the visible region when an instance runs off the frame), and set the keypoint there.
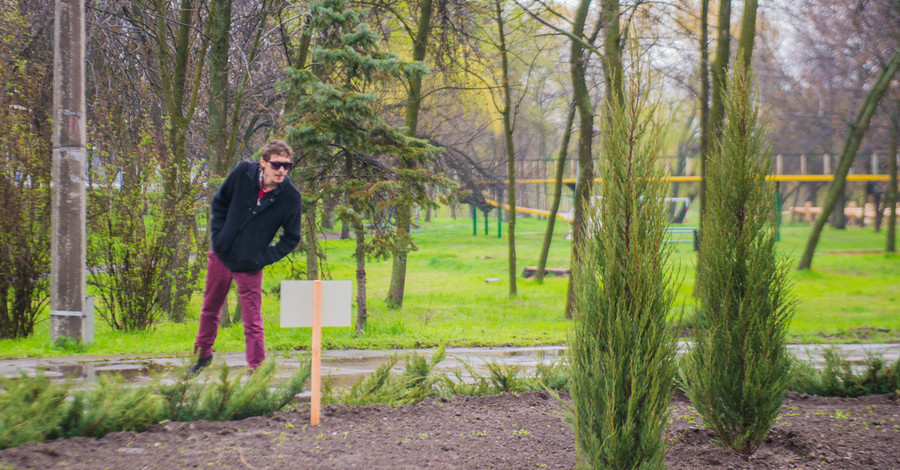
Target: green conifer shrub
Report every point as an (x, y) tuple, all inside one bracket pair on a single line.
[(738, 368), (31, 408), (551, 374), (226, 396), (622, 349), (367, 390), (34, 408), (110, 406), (420, 380), (500, 378), (416, 383), (841, 378)]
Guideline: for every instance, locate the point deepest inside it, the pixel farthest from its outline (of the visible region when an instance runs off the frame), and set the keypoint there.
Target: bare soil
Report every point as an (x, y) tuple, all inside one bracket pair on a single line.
[(502, 431)]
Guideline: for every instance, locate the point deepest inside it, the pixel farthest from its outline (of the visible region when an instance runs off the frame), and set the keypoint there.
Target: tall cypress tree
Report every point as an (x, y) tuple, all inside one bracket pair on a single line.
[(622, 348), (737, 370), (344, 148)]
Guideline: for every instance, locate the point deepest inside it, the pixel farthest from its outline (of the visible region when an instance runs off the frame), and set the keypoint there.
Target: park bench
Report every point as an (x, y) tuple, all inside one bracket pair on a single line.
[(853, 212), (530, 271), (807, 212)]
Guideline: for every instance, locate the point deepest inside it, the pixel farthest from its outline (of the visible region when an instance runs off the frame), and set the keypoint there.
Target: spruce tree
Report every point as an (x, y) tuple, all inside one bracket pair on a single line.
[(622, 347), (737, 370), (345, 148)]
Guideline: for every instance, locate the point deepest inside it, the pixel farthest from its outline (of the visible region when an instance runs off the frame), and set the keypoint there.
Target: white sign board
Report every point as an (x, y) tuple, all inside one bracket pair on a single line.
[(297, 303)]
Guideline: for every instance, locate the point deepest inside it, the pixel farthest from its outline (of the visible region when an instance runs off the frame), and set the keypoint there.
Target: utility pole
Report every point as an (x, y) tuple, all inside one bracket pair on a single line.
[(71, 313)]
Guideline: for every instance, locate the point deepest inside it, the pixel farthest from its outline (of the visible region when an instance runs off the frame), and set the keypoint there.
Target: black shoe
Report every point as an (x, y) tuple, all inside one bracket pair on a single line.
[(200, 364)]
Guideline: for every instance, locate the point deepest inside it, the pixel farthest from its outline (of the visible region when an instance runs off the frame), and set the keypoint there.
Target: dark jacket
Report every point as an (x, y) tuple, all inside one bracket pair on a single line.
[(242, 231)]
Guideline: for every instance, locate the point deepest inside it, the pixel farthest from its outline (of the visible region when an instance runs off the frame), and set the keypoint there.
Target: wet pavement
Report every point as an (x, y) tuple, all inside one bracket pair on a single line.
[(346, 367)]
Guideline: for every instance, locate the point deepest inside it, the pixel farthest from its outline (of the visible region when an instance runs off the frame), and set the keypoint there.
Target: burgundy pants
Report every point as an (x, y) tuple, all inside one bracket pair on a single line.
[(218, 281)]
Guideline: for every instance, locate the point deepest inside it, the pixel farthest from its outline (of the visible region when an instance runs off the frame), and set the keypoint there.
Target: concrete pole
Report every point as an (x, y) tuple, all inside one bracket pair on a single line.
[(70, 310)]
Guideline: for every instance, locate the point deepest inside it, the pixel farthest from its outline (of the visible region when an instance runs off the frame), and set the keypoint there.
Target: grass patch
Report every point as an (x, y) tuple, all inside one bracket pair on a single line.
[(850, 295)]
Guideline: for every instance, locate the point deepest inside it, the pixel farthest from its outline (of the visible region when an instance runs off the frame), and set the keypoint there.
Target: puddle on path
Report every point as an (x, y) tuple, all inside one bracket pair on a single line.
[(131, 371), (347, 367)]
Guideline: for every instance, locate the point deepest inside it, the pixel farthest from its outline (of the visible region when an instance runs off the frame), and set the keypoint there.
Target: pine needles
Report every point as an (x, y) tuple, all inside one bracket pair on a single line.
[(412, 386), (622, 348), (33, 409), (738, 368), (111, 406), (841, 378), (224, 396), (30, 409), (421, 379)]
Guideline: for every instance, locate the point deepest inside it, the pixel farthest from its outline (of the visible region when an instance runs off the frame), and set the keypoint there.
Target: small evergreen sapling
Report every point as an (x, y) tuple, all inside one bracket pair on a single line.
[(224, 395), (622, 348), (31, 409), (737, 371)]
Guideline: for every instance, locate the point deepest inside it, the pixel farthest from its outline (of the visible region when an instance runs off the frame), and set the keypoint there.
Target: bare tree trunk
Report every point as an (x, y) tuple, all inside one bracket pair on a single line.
[(838, 219), (329, 204), (680, 162), (704, 100), (717, 105), (312, 240), (851, 145), (231, 147), (612, 45), (891, 197), (362, 314), (748, 33), (577, 60), (557, 192), (510, 151), (413, 104), (173, 72), (298, 61), (345, 230), (719, 72), (309, 217), (217, 139)]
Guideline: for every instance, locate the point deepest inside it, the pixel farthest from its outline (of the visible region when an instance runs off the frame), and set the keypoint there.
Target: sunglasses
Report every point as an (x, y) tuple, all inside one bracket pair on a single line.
[(281, 165)]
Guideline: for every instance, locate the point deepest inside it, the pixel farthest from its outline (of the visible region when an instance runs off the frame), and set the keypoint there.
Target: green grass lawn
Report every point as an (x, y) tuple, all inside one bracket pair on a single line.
[(851, 290)]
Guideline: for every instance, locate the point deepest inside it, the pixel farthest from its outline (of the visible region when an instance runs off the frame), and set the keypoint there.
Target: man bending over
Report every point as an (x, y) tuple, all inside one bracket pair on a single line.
[(254, 202)]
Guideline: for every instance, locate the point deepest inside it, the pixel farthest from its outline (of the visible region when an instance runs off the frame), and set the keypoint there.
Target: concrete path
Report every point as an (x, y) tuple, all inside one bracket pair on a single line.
[(346, 367)]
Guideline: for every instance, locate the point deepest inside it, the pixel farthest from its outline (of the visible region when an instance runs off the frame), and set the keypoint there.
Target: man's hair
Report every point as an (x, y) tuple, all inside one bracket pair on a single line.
[(277, 147)]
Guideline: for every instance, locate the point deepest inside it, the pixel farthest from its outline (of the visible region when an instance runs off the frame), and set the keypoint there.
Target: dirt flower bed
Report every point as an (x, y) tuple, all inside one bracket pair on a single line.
[(502, 431)]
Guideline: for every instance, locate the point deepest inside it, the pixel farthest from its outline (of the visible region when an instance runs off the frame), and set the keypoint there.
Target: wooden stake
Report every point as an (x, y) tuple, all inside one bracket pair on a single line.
[(316, 375)]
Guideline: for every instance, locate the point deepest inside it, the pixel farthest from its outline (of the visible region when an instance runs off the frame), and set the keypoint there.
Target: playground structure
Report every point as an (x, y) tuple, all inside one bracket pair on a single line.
[(673, 232), (799, 179)]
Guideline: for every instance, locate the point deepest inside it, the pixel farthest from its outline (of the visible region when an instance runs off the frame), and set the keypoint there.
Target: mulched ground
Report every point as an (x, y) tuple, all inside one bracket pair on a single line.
[(502, 431)]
